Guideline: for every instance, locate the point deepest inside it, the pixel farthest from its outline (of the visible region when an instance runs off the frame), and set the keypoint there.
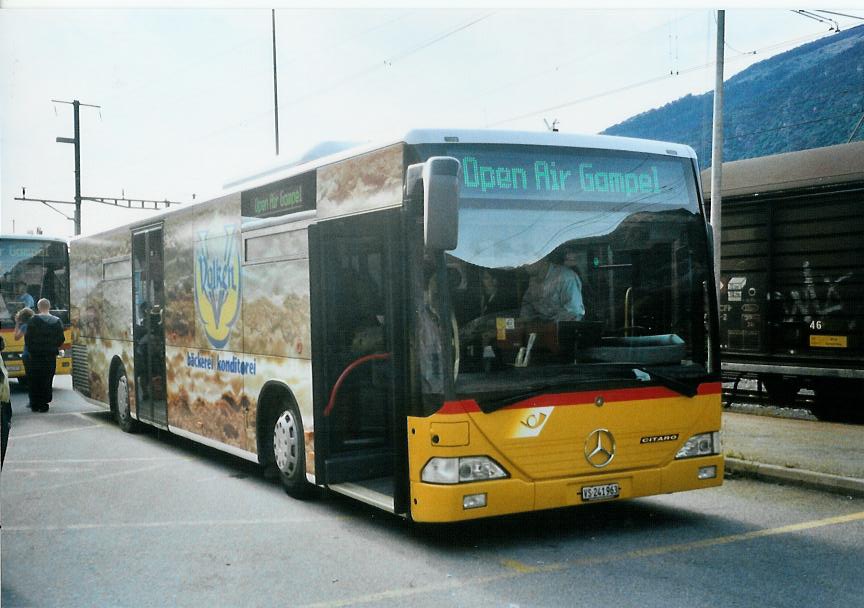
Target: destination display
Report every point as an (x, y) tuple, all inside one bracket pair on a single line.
[(290, 195), (590, 176)]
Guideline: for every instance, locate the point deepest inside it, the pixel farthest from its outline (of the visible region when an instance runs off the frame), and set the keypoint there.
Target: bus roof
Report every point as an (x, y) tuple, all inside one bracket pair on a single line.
[(33, 237), (346, 150), (470, 136)]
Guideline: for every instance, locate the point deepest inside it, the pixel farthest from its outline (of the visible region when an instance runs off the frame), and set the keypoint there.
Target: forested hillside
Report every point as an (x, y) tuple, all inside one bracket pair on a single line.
[(808, 97)]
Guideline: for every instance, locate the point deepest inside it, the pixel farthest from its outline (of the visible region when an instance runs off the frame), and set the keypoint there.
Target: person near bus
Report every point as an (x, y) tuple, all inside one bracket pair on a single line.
[(22, 317), (554, 293), (5, 406), (42, 341)]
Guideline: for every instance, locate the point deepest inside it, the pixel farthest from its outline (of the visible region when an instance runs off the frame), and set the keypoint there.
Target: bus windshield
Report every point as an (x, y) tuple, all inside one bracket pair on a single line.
[(573, 266), (31, 269)]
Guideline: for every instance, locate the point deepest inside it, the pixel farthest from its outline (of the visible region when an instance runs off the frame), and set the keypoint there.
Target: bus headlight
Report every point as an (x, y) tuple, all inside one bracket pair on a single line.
[(704, 444), (461, 470)]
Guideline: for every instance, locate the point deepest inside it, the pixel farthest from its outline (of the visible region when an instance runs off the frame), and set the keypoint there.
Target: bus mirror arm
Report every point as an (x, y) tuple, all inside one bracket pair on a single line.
[(334, 392)]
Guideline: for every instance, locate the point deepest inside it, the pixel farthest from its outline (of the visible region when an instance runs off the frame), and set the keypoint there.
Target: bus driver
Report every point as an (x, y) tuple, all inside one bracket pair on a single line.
[(554, 293)]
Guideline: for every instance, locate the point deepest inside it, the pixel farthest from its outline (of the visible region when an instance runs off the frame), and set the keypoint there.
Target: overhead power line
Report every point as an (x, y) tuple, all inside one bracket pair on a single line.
[(642, 83), (840, 14), (835, 27), (76, 141)]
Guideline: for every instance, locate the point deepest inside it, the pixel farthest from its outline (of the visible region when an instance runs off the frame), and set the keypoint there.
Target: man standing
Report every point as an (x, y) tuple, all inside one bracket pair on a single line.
[(43, 340)]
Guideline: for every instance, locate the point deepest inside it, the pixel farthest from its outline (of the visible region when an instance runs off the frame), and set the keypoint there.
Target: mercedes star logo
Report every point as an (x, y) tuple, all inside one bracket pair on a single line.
[(599, 448)]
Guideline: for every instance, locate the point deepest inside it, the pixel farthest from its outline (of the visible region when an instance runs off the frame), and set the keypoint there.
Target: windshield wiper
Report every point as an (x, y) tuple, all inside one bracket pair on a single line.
[(491, 405), (684, 387), (688, 387)]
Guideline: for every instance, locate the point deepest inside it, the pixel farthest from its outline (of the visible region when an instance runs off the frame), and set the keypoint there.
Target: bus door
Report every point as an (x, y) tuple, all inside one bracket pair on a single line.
[(148, 295), (360, 445)]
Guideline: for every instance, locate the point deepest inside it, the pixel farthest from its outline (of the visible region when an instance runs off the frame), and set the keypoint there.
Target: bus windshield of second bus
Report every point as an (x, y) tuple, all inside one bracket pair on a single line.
[(573, 267), (31, 269)]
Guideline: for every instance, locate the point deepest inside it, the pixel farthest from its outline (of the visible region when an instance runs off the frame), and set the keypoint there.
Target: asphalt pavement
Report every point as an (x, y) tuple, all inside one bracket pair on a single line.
[(821, 455), (96, 517)]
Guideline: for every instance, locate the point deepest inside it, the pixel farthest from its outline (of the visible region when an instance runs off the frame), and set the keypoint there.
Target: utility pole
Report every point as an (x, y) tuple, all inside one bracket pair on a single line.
[(76, 141), (275, 88), (105, 200), (717, 147)]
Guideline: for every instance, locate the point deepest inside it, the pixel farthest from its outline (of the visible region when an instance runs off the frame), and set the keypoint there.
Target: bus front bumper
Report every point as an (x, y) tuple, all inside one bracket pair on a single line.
[(15, 366), (447, 503)]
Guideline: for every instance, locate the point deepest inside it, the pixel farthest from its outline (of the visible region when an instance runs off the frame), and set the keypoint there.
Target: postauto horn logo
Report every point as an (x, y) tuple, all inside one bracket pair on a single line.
[(217, 283)]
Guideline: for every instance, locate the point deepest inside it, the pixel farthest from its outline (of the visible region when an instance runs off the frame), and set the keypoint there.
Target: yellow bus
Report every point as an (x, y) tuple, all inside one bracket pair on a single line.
[(449, 325), (31, 268)]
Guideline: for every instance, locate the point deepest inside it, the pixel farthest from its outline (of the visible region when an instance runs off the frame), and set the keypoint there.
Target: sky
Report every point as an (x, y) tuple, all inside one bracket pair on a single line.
[(186, 98)]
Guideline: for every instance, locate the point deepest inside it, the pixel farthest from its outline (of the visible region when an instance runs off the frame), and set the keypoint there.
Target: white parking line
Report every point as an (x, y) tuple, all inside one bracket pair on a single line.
[(88, 480), (169, 524), (14, 437), (88, 460)]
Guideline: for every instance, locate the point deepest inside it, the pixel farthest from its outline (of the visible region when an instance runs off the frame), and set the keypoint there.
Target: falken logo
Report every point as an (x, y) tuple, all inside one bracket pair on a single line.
[(659, 438), (217, 283)]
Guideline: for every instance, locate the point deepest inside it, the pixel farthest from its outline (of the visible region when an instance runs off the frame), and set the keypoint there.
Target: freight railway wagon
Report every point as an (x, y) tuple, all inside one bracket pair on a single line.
[(359, 323), (792, 296)]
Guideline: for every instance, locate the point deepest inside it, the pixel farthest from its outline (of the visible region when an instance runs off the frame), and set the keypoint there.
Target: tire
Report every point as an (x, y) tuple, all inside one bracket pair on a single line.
[(122, 409), (288, 451)]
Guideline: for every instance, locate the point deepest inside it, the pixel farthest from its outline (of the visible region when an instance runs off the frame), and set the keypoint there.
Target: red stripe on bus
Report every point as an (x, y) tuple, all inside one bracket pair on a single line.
[(468, 406)]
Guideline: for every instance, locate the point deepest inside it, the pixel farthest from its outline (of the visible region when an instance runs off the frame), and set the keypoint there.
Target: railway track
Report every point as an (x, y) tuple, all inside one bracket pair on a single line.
[(748, 399)]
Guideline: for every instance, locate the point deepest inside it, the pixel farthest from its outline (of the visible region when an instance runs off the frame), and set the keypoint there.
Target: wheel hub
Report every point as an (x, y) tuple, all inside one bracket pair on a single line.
[(123, 398), (286, 443)]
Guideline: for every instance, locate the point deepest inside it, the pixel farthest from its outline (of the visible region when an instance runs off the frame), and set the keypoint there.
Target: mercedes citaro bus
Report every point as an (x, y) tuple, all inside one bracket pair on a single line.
[(331, 321)]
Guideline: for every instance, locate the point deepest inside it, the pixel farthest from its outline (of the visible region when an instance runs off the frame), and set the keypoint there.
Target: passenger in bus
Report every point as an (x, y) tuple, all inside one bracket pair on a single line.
[(25, 298), (429, 334), (494, 299), (5, 314), (554, 293)]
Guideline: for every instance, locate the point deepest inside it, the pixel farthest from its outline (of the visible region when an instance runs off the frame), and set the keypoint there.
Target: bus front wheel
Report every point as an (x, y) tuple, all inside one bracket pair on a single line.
[(289, 451)]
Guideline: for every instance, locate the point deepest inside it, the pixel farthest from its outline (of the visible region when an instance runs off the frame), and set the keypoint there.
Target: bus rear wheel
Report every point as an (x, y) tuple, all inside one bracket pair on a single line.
[(289, 451), (123, 411)]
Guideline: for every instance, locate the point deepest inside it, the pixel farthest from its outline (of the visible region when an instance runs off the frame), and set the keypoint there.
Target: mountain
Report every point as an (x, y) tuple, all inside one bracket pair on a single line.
[(809, 97)]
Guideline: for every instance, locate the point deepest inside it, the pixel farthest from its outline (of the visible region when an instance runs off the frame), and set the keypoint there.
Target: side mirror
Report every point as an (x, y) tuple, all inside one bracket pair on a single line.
[(440, 177)]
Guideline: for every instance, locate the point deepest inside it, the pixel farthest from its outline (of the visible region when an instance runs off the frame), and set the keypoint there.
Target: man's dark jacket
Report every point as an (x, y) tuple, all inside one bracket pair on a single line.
[(44, 335)]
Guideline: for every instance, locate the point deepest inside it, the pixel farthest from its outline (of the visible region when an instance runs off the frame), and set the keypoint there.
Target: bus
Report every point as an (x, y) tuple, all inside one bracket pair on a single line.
[(332, 322), (31, 268)]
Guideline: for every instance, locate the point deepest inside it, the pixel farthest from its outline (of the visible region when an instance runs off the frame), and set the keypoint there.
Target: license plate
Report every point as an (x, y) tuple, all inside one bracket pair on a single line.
[(604, 492)]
